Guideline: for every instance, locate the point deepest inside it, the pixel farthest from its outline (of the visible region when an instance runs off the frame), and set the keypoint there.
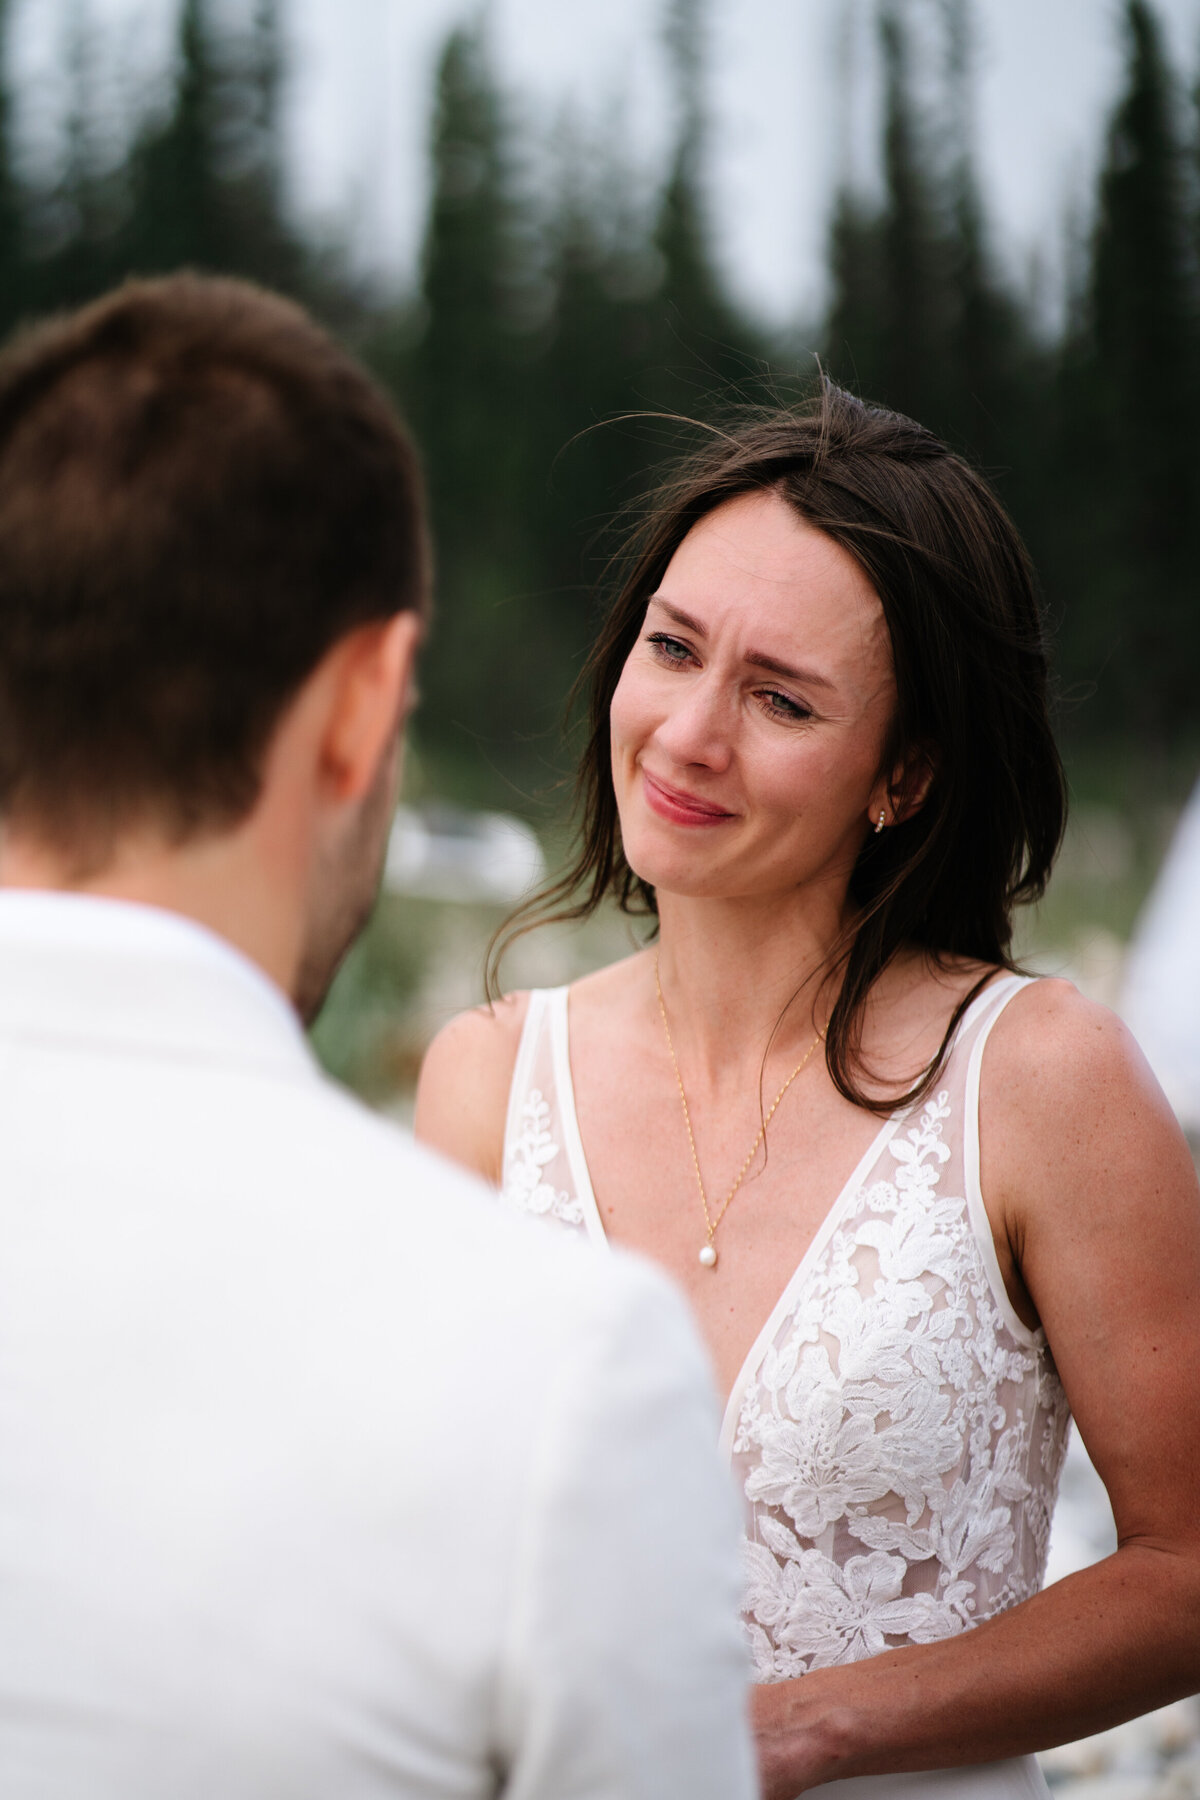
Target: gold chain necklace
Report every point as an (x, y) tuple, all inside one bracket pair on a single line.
[(708, 1252)]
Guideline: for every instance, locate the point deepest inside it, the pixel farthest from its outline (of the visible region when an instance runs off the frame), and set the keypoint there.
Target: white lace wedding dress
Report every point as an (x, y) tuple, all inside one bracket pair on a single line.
[(896, 1430)]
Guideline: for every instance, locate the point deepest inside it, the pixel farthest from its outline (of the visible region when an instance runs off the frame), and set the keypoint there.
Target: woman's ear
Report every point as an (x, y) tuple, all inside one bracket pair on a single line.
[(911, 781), (903, 794)]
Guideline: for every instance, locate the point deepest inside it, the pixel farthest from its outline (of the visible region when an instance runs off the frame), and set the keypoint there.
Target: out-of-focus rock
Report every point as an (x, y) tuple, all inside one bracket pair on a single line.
[(444, 853)]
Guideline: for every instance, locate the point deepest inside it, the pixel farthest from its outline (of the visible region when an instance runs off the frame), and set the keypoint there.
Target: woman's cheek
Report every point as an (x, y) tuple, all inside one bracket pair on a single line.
[(624, 715)]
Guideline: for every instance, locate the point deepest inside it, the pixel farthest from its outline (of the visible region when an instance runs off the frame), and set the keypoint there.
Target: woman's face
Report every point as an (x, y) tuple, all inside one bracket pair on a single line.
[(751, 718)]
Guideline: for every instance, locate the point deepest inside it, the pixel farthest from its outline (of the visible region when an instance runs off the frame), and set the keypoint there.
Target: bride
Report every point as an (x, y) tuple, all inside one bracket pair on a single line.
[(922, 1205)]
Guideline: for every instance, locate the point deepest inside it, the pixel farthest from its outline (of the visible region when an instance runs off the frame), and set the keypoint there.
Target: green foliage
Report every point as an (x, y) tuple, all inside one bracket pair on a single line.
[(204, 176), (702, 343), (363, 1036), (472, 385), (541, 318), (560, 290), (919, 318), (1090, 439), (198, 184), (1132, 517), (12, 224)]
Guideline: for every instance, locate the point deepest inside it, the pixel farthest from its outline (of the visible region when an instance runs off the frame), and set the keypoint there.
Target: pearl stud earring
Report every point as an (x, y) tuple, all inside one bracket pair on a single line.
[(880, 822)]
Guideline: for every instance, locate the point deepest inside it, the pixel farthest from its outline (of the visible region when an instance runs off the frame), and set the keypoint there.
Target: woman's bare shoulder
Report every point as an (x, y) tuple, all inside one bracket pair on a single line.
[(1093, 1186), (462, 1094), (1068, 1100), (483, 1033), (1052, 1039)]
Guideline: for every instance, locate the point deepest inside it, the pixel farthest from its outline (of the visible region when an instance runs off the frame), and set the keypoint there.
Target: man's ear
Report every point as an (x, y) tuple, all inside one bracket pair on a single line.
[(371, 695)]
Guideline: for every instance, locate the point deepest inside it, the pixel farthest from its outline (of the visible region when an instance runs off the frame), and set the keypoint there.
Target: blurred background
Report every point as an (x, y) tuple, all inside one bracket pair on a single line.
[(540, 222), (533, 219)]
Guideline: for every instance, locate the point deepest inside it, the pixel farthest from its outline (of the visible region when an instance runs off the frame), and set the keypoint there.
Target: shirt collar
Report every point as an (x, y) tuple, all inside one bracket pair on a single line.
[(113, 970)]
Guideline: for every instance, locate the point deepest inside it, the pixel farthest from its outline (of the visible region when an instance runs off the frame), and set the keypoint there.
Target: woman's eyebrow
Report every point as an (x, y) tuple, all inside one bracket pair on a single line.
[(757, 658), (680, 617), (807, 677)]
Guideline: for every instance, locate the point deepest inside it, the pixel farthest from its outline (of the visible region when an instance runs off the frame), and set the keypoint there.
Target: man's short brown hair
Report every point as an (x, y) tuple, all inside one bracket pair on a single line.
[(200, 493)]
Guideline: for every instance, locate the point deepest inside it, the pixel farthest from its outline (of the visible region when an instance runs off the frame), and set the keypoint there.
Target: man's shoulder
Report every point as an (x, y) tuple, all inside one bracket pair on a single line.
[(341, 1150), (395, 1204)]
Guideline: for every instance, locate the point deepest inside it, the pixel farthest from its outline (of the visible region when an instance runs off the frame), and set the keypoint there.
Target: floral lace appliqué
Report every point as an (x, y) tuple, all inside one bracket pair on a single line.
[(900, 1438), (533, 1148), (899, 1445)]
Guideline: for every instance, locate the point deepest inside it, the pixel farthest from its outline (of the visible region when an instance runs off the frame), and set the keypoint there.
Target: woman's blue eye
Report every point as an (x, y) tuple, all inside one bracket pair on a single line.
[(674, 653), (782, 706), (668, 648)]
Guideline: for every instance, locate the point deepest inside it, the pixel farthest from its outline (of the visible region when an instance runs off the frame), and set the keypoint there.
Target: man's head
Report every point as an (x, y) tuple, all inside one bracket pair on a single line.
[(211, 528)]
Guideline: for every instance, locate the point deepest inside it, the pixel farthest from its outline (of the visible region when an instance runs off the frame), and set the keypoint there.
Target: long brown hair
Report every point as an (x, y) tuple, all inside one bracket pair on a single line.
[(969, 652)]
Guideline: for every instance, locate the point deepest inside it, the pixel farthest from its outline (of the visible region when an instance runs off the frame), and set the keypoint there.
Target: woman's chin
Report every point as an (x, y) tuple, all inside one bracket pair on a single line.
[(696, 877), (671, 874), (691, 877), (694, 866)]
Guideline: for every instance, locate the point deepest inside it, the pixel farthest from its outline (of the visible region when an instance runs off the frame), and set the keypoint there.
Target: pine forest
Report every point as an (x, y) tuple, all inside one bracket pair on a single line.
[(561, 331)]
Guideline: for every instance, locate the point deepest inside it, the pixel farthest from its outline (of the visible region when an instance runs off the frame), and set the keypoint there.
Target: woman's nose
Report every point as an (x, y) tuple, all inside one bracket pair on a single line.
[(699, 726)]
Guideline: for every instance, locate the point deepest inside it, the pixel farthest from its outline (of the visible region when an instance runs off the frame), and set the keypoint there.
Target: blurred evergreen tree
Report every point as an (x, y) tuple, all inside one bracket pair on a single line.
[(702, 342), (919, 317), (76, 219), (469, 380), (997, 405), (204, 178), (643, 322), (177, 212), (608, 273), (854, 321), (1000, 390), (917, 312), (269, 246), (13, 246), (268, 69), (1131, 540), (889, 317), (464, 380), (891, 308), (539, 322), (561, 291)]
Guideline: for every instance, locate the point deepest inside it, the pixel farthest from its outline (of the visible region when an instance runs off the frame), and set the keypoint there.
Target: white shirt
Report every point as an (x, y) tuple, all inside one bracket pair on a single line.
[(319, 1476)]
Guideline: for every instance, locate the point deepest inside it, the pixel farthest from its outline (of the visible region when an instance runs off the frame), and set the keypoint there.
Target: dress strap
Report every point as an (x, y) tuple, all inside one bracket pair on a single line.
[(558, 1020), (999, 995), (531, 1032), (544, 1170)]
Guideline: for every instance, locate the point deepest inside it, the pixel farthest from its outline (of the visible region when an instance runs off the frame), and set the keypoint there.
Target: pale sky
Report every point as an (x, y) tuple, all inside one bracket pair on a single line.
[(1047, 70)]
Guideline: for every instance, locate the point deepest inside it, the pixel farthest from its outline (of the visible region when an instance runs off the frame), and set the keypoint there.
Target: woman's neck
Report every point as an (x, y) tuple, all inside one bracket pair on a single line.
[(737, 975)]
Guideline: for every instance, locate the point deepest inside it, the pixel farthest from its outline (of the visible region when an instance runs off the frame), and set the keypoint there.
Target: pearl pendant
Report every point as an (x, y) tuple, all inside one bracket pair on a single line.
[(708, 1256)]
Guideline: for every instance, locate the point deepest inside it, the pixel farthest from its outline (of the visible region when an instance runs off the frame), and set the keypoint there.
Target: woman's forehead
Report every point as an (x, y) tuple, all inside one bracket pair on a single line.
[(756, 568)]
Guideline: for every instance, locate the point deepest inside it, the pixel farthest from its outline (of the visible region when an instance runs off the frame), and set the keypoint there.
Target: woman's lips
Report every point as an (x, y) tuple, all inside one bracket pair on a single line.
[(679, 808)]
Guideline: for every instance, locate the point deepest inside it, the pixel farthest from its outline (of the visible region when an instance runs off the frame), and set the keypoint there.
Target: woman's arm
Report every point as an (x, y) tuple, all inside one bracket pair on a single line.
[(462, 1093), (1093, 1183)]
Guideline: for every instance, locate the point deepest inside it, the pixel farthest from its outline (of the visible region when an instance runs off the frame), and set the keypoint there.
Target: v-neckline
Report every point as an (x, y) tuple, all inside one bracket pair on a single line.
[(753, 1359), (559, 1001)]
